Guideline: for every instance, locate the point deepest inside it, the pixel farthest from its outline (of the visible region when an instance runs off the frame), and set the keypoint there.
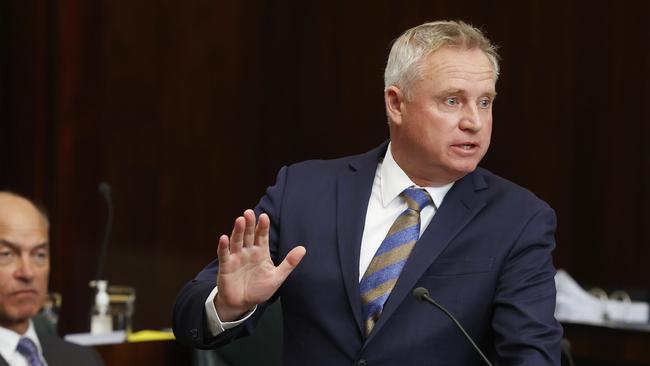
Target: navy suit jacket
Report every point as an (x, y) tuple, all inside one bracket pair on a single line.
[(485, 256)]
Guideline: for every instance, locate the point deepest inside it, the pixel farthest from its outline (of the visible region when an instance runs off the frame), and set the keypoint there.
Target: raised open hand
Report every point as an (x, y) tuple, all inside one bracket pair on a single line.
[(247, 275)]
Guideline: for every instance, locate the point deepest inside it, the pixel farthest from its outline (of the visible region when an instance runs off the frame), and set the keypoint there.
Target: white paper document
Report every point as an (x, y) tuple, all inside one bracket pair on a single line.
[(87, 339), (574, 304)]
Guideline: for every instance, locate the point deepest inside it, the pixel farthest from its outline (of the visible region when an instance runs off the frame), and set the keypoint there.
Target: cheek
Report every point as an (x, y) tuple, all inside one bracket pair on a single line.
[(487, 134), (488, 124), (42, 279), (428, 129), (432, 124), (5, 281), (426, 138)]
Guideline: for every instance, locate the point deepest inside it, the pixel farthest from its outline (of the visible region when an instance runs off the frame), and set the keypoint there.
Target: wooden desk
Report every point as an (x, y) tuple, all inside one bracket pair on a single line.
[(608, 346), (159, 353)]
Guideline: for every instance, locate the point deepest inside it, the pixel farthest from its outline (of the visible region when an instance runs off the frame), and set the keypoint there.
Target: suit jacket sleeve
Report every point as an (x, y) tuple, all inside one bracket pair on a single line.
[(526, 332)]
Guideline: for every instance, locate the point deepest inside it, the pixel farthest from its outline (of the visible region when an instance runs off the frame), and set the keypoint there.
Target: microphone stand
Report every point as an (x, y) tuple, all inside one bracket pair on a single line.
[(422, 294), (105, 190)]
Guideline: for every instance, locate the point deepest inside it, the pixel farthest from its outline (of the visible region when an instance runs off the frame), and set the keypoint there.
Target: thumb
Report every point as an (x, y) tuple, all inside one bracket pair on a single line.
[(290, 262)]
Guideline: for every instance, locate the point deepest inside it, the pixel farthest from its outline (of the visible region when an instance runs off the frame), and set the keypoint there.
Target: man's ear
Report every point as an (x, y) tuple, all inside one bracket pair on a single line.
[(394, 99)]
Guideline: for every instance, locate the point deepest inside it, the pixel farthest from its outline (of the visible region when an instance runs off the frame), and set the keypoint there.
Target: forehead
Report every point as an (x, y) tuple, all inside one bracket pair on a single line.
[(459, 68), (21, 222)]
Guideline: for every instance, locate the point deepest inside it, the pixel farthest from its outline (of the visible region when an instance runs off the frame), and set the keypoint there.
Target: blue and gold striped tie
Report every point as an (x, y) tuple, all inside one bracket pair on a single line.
[(386, 265)]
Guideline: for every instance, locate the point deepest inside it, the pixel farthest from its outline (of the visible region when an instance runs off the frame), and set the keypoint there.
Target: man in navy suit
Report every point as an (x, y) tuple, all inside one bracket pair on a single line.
[(484, 250)]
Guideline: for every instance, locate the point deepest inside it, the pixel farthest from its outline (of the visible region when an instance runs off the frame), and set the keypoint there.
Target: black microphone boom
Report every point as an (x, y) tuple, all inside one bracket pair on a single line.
[(105, 190), (422, 294)]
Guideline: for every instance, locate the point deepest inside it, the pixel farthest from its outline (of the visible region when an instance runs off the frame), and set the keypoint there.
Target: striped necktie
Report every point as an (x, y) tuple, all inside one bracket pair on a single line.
[(28, 349), (386, 265)]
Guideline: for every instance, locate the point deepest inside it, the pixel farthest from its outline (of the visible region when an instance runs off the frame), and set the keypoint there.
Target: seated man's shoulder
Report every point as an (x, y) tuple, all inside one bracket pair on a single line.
[(60, 352)]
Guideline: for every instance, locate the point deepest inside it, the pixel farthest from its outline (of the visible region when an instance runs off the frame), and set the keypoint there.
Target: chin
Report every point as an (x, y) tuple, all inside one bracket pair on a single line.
[(24, 311), (465, 169)]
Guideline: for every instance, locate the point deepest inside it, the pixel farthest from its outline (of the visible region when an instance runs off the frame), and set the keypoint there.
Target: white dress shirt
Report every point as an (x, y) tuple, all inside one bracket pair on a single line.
[(9, 341), (384, 206)]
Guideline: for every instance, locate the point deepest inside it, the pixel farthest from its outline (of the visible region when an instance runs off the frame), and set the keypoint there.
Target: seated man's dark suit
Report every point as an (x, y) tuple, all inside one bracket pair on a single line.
[(485, 256), (58, 352)]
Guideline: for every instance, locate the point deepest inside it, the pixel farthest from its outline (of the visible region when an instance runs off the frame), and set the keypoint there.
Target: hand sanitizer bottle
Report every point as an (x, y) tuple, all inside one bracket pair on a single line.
[(100, 319)]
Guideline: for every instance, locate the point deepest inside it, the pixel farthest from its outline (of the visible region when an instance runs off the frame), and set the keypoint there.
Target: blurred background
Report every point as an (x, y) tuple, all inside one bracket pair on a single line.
[(189, 108)]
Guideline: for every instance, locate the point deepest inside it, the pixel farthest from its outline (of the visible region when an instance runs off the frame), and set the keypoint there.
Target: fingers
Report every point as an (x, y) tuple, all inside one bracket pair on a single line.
[(249, 228), (290, 262), (245, 233), (222, 248), (262, 231), (237, 236)]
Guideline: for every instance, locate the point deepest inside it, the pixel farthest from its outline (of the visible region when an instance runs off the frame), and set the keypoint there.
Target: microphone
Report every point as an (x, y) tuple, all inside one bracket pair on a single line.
[(105, 191), (422, 294)]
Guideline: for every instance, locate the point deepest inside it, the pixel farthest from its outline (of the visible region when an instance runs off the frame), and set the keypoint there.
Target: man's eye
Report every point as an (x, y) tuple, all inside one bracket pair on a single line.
[(485, 103), (41, 257), (7, 257), (451, 101)]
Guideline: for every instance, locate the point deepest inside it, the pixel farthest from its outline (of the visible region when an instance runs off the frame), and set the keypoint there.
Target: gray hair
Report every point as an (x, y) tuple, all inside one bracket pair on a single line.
[(404, 64)]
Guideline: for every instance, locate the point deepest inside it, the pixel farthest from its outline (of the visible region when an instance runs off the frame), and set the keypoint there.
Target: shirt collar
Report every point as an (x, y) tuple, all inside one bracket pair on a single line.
[(9, 340), (393, 181)]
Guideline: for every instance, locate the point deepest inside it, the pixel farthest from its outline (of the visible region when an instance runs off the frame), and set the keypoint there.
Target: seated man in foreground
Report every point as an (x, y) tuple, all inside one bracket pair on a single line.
[(24, 273)]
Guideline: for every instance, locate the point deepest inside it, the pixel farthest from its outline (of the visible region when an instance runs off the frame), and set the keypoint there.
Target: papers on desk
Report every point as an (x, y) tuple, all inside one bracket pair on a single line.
[(87, 339), (116, 337), (576, 305), (148, 335)]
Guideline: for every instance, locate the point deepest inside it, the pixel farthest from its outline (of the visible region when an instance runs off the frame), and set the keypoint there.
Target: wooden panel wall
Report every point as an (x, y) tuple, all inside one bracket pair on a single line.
[(188, 109)]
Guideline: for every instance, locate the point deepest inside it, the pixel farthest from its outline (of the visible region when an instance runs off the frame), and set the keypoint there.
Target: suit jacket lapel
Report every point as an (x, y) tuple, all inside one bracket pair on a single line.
[(458, 208), (353, 192)]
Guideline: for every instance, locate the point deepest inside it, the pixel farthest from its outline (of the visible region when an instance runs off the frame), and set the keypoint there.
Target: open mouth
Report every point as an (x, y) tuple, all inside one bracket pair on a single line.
[(468, 146)]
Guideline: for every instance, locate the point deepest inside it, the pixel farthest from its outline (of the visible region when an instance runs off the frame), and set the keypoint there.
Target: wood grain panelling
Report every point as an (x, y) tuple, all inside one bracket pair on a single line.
[(189, 108), (26, 120), (609, 199)]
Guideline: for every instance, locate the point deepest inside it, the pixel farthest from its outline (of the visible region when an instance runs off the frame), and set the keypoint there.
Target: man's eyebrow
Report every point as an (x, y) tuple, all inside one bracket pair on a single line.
[(491, 94), (16, 246), (8, 243), (452, 91)]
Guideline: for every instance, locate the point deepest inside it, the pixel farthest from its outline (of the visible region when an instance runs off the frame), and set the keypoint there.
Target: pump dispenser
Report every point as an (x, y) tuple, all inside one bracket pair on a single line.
[(100, 319)]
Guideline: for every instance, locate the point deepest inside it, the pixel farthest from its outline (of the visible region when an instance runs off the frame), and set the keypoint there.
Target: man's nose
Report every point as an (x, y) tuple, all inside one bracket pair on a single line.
[(471, 120), (25, 268)]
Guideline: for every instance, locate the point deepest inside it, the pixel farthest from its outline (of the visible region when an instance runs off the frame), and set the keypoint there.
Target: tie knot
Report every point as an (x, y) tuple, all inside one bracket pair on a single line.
[(416, 198), (26, 347)]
